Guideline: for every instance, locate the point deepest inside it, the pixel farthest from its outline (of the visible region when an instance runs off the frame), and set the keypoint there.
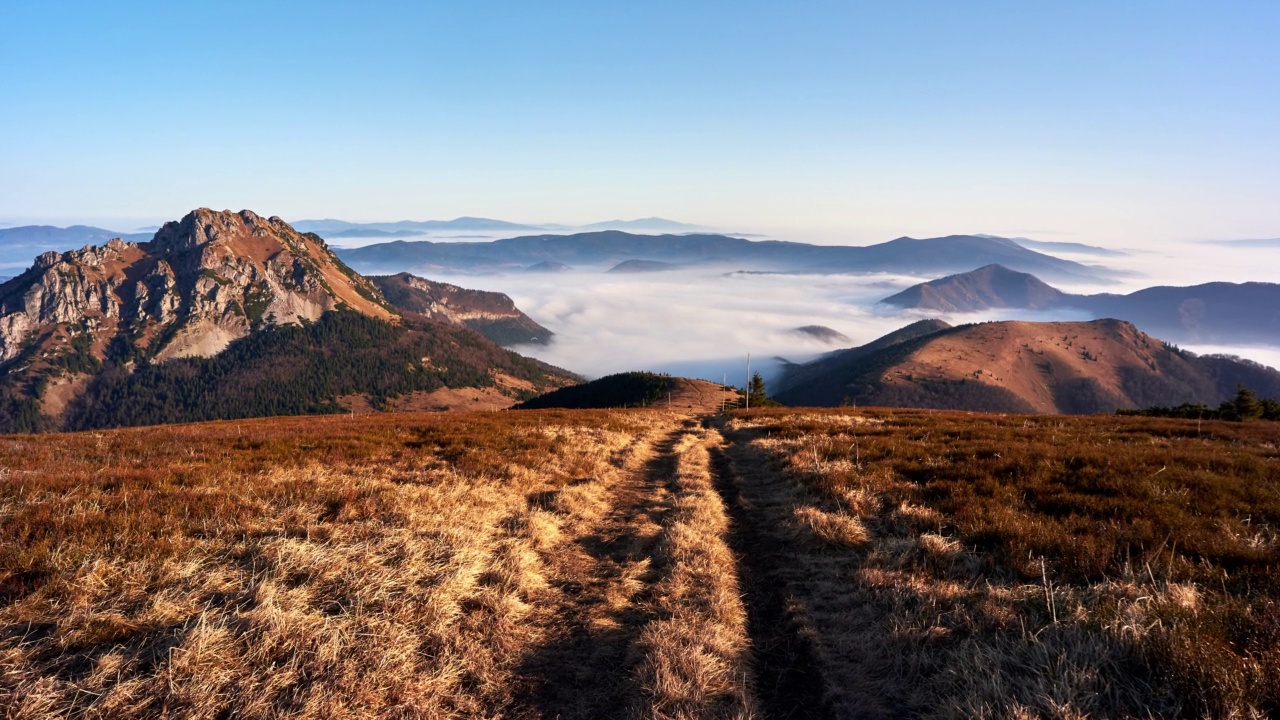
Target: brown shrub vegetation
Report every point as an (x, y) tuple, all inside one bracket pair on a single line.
[(1033, 566)]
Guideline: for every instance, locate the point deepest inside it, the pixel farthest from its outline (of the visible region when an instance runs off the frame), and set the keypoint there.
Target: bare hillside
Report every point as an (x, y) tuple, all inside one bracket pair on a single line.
[(1061, 367)]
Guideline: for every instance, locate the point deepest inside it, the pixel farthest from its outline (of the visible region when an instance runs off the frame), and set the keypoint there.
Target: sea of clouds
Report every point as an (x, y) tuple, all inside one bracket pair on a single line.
[(704, 322)]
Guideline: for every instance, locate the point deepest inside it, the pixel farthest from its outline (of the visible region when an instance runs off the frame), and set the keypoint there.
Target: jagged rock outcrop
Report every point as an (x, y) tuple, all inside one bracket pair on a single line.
[(199, 284), (491, 314), (128, 333)]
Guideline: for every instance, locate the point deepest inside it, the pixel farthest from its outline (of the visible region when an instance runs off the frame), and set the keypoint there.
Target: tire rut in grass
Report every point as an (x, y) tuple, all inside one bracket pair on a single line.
[(788, 680), (586, 669)]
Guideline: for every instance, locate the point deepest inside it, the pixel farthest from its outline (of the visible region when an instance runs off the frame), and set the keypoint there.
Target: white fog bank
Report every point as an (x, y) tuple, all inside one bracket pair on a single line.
[(704, 322)]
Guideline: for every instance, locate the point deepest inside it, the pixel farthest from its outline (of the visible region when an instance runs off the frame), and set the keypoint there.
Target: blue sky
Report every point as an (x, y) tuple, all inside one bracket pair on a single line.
[(1134, 123)]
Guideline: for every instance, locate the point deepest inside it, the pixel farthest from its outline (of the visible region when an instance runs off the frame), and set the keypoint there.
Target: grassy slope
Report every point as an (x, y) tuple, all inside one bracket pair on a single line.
[(459, 565), (579, 563), (1029, 566)]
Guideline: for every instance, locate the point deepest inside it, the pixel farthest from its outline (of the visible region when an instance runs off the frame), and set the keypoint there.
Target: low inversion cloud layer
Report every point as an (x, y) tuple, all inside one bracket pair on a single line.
[(704, 322)]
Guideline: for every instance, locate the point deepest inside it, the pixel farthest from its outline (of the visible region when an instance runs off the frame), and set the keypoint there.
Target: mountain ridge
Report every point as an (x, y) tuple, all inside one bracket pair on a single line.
[(493, 315), (1208, 312), (607, 248), (75, 324), (1017, 366)]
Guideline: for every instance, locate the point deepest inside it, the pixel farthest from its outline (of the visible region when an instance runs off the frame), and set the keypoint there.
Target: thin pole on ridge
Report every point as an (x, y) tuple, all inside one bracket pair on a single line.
[(747, 387)]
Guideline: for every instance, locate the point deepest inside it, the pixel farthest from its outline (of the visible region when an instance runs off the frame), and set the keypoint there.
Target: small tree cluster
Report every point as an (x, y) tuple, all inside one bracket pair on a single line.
[(1245, 406)]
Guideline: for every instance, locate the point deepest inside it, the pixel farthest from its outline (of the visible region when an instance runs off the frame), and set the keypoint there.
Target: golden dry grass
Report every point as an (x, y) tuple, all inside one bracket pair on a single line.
[(696, 654), (391, 566), (955, 565), (586, 564)]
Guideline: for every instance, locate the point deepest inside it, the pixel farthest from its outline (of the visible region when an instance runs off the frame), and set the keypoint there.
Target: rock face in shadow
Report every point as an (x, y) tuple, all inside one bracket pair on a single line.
[(492, 314), (1062, 367)]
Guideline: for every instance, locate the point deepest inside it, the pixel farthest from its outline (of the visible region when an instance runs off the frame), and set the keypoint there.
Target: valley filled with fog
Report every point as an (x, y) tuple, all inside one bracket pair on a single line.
[(703, 322)]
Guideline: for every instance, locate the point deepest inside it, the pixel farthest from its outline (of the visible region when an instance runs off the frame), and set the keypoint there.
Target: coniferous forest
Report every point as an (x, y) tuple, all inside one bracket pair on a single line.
[(289, 370)]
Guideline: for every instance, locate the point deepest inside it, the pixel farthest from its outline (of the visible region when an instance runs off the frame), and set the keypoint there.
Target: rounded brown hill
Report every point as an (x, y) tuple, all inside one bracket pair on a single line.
[(638, 389), (991, 286), (1063, 367)]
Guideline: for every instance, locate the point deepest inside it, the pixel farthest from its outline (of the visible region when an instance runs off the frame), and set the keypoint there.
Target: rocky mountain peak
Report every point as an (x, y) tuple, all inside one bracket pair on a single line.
[(78, 326), (202, 227), (200, 283)]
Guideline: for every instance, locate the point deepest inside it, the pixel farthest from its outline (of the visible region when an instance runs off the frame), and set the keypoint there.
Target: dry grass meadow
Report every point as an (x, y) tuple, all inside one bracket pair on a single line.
[(481, 565), (643, 564), (965, 565)]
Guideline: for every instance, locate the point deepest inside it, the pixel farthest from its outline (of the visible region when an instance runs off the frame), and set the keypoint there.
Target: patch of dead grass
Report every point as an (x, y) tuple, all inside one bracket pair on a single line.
[(1030, 567), (696, 650), (317, 567)]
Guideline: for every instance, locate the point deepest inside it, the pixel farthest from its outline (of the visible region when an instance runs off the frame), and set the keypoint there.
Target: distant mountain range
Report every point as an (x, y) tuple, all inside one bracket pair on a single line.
[(649, 224), (1217, 312), (225, 315), (342, 228), (19, 244), (608, 248), (1063, 247), (1269, 243), (1055, 367), (409, 228), (608, 244)]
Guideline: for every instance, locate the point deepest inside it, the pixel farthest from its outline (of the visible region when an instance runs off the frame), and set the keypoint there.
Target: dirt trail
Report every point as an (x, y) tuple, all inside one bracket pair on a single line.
[(825, 647), (699, 397), (677, 599), (602, 582), (643, 616), (789, 683)]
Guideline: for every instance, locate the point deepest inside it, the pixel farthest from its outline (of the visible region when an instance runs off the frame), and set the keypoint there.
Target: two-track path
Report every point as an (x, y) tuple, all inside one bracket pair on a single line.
[(672, 598)]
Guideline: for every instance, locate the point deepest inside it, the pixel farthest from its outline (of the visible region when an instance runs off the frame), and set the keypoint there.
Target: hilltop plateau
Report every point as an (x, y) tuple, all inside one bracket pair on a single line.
[(639, 389), (576, 564)]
